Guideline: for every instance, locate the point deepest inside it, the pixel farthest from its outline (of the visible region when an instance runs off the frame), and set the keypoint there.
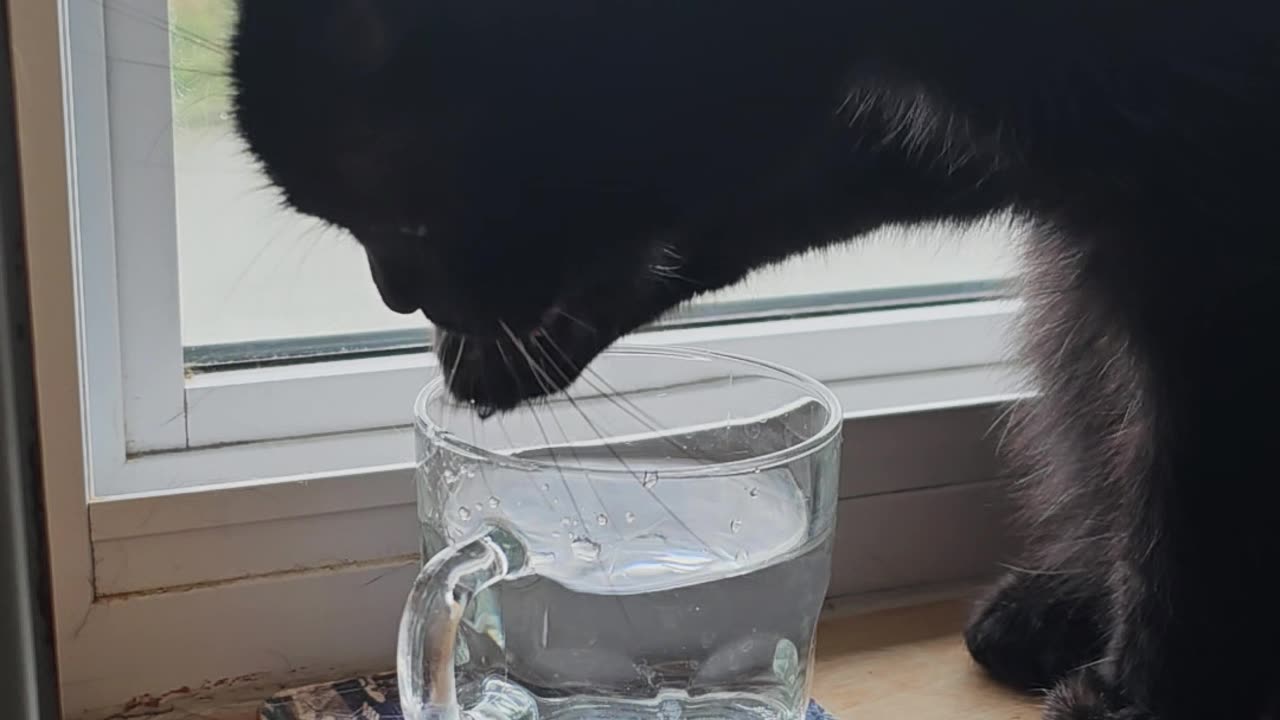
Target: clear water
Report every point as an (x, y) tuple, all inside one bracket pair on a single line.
[(656, 597)]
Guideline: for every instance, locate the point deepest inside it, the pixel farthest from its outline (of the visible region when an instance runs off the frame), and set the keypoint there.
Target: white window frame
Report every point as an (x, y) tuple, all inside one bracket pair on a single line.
[(262, 496)]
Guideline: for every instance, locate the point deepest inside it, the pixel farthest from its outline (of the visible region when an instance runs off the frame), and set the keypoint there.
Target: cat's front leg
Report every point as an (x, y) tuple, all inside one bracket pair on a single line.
[(1193, 627), (1157, 426), (1172, 658), (1086, 695), (1035, 628)]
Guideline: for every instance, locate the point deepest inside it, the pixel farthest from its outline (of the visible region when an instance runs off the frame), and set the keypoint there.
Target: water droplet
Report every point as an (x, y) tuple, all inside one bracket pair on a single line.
[(754, 492), (602, 519), (631, 517), (546, 487), (494, 502), (464, 513), (585, 549), (735, 526), (648, 480), (479, 506), (566, 521)]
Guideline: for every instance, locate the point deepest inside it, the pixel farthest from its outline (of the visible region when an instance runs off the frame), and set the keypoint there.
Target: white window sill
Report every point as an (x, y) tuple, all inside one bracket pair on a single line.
[(301, 422)]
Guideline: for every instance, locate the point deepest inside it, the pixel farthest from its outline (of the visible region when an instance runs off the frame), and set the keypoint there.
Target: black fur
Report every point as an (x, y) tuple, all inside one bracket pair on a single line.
[(546, 176)]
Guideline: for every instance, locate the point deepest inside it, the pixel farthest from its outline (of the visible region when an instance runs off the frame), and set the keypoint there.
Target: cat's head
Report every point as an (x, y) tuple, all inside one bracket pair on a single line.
[(540, 178)]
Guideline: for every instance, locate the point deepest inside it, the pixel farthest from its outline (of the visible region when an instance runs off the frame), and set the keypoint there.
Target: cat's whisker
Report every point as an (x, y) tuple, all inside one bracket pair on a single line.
[(170, 66), (170, 28), (545, 381), (610, 393), (592, 378), (457, 360), (511, 370), (669, 272), (554, 460), (638, 478), (572, 450), (577, 321), (622, 462), (1035, 572), (539, 372), (577, 506), (1092, 664)]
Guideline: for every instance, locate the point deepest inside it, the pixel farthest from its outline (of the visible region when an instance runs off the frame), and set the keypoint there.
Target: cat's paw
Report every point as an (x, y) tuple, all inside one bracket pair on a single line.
[(1029, 633), (1085, 696)]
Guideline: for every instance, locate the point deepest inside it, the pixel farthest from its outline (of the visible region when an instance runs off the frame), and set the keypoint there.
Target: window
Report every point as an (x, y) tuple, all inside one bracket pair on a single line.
[(245, 396), (258, 281)]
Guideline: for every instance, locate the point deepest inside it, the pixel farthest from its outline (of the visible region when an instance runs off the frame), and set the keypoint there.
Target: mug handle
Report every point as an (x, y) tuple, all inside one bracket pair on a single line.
[(429, 625)]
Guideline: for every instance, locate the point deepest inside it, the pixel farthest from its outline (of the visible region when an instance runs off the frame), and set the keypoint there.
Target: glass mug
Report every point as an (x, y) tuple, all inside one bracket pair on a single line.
[(654, 543)]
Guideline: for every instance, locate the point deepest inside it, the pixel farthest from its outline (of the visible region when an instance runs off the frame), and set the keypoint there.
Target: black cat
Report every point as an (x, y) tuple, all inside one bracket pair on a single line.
[(560, 172)]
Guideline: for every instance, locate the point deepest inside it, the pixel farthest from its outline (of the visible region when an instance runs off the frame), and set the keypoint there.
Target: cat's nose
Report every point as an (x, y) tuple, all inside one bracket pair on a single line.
[(396, 281), (408, 282), (460, 291)]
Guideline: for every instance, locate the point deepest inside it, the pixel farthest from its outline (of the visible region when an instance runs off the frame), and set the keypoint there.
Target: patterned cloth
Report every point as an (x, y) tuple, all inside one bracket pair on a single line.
[(365, 698)]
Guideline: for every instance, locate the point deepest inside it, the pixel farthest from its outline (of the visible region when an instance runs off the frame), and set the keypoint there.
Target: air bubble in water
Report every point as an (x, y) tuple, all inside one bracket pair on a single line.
[(648, 480), (464, 513), (494, 502), (602, 519), (735, 526), (754, 492), (631, 517), (585, 549), (546, 487)]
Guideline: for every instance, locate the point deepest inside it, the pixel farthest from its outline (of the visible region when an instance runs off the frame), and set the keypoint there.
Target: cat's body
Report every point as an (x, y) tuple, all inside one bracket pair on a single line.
[(621, 157)]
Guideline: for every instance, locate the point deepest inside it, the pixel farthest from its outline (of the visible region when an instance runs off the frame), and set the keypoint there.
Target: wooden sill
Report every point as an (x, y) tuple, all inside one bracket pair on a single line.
[(908, 663), (882, 665)]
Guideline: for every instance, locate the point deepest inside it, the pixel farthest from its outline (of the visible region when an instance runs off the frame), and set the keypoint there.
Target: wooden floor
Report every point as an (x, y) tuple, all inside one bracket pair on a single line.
[(907, 664)]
